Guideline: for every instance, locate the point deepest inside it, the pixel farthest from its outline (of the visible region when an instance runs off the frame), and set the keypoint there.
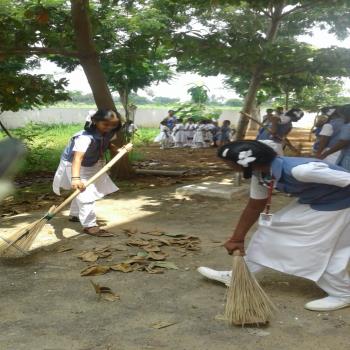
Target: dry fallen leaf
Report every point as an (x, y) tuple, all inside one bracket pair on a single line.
[(163, 241), (162, 324), (94, 270), (174, 234), (154, 270), (129, 231), (137, 242), (135, 259), (164, 264), (156, 256), (151, 248), (63, 249), (88, 256), (154, 233), (122, 267), (105, 292)]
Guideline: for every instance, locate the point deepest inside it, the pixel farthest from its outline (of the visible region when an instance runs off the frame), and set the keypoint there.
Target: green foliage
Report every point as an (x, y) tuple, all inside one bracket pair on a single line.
[(22, 90), (164, 100), (196, 111), (199, 94), (235, 42), (325, 92), (46, 142), (234, 102)]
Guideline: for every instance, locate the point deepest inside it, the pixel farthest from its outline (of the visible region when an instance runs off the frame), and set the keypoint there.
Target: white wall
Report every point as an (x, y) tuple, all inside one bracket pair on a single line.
[(144, 117)]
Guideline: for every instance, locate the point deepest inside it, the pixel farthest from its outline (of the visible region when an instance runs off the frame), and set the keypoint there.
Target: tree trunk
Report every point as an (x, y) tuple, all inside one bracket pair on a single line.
[(5, 130), (88, 55), (287, 100), (257, 75), (253, 126), (124, 99), (89, 60)]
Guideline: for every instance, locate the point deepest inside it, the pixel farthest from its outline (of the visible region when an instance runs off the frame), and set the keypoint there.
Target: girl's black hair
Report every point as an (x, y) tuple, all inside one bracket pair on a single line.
[(295, 114), (263, 153), (102, 115)]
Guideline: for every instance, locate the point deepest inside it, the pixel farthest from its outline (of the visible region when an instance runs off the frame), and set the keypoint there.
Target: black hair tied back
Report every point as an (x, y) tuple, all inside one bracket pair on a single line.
[(102, 115), (253, 152)]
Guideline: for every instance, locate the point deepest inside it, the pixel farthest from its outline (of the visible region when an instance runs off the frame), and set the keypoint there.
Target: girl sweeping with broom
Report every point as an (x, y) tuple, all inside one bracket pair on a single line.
[(82, 158), (310, 237)]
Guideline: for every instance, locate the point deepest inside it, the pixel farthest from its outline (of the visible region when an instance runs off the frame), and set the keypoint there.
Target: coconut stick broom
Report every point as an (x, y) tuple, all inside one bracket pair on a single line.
[(247, 303), (19, 243)]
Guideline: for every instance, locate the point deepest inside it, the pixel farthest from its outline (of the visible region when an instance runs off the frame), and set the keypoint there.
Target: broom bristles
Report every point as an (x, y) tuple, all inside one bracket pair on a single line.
[(246, 303), (18, 244)]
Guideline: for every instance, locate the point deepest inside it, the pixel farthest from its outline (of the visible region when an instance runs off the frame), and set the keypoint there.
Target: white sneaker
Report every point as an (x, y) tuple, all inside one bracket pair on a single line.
[(220, 276), (328, 304)]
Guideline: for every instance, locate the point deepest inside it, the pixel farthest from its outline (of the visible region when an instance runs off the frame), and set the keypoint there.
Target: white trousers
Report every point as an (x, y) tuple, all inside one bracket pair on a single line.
[(85, 212), (334, 281)]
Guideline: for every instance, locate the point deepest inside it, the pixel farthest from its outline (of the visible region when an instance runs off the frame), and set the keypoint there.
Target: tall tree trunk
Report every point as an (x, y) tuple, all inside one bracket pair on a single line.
[(257, 75), (256, 115), (5, 129), (124, 99), (88, 55), (89, 60), (287, 99)]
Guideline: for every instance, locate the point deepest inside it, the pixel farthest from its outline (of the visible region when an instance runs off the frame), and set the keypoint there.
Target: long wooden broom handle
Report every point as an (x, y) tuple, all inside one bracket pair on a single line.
[(122, 151), (288, 143)]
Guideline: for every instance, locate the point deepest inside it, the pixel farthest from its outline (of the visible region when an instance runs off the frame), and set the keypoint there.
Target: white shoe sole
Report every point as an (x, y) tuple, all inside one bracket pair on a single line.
[(209, 276), (325, 309)]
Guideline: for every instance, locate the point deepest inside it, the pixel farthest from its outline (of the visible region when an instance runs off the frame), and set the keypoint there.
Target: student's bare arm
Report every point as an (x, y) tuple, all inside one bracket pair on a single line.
[(337, 147), (322, 145), (248, 218), (76, 165)]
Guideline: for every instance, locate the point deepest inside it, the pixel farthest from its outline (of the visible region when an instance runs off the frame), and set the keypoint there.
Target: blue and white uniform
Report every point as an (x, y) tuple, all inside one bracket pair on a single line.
[(332, 129), (283, 129), (94, 145), (310, 237), (344, 158)]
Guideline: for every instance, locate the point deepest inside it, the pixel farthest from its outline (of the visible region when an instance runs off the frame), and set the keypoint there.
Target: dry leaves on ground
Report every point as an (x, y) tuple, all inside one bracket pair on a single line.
[(105, 292), (95, 253), (94, 270), (150, 258)]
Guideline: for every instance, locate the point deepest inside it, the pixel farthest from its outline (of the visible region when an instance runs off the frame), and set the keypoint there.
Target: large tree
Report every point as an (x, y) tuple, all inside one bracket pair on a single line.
[(251, 41), (77, 32)]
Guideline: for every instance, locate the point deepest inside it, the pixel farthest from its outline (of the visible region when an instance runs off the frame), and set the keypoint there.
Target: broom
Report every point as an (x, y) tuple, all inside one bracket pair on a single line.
[(19, 243), (247, 303)]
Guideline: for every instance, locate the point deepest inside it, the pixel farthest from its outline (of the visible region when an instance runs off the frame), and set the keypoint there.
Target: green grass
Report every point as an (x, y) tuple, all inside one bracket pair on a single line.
[(46, 142)]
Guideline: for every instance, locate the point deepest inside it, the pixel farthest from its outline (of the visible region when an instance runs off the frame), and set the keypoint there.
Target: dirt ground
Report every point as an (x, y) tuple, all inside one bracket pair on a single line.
[(47, 305)]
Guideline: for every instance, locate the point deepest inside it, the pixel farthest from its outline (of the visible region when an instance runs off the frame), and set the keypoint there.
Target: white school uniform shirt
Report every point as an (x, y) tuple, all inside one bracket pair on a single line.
[(102, 187), (302, 241)]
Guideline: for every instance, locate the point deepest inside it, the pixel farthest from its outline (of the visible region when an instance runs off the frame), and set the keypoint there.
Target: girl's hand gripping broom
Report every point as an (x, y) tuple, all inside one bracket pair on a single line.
[(18, 244)]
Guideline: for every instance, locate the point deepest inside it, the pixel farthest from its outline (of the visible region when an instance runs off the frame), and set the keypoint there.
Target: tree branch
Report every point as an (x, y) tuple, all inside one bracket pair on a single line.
[(38, 51), (301, 8)]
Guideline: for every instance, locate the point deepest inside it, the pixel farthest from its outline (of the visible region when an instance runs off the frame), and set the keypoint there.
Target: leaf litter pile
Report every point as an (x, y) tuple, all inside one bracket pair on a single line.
[(143, 251)]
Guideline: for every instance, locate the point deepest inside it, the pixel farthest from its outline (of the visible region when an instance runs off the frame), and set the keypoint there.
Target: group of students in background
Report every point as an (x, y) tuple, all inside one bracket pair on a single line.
[(178, 133), (332, 131)]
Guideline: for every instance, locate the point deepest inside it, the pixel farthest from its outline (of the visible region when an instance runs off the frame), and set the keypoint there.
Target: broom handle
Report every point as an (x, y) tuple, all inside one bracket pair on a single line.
[(122, 151)]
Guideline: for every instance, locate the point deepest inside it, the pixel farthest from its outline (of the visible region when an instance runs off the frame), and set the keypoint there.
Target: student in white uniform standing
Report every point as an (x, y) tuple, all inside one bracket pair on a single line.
[(330, 134), (308, 238), (179, 134), (82, 158), (164, 137)]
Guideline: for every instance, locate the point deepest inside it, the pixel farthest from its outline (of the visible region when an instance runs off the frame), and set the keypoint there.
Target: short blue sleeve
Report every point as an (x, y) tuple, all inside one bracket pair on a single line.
[(345, 133)]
